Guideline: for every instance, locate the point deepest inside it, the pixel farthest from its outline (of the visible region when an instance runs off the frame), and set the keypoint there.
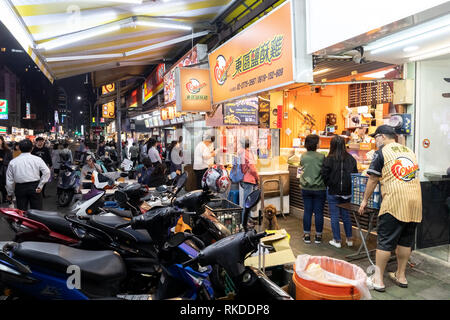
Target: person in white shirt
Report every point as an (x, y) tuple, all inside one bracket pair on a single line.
[(153, 154), (176, 155), (24, 179), (203, 158)]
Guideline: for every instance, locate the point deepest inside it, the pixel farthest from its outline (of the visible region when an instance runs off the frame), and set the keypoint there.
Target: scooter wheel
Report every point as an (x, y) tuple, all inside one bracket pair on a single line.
[(64, 198)]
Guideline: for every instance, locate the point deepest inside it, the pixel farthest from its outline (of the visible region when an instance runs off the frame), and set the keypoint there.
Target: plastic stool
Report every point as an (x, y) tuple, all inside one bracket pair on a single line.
[(233, 196)]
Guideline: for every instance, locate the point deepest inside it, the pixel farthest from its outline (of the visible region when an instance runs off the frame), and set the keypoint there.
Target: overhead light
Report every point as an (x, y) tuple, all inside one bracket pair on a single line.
[(125, 1), (163, 25), (88, 57), (379, 74), (432, 53), (82, 35), (423, 31), (410, 48), (167, 43), (321, 71)]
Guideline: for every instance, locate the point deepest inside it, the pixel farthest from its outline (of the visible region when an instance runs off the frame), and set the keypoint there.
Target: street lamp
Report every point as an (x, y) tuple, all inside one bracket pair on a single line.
[(78, 98)]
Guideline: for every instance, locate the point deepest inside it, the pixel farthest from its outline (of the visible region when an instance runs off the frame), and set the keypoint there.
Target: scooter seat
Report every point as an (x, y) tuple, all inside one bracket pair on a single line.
[(101, 271), (55, 221), (109, 224)]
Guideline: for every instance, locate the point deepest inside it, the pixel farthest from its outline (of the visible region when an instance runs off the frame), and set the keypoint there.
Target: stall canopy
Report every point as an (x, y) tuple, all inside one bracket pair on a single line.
[(67, 38)]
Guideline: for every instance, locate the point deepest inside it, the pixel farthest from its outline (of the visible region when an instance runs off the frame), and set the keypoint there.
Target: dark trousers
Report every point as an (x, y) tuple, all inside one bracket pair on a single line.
[(26, 195), (199, 175), (313, 202)]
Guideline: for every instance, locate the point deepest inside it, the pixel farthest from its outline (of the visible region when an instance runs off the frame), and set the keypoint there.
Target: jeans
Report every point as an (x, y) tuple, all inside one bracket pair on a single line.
[(335, 214), (313, 202), (248, 188)]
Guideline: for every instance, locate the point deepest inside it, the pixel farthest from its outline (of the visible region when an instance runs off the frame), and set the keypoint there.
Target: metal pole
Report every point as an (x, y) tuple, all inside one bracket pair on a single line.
[(119, 123)]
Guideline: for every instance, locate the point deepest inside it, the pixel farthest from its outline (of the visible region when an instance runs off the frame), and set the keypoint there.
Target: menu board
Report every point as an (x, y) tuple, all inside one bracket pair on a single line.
[(264, 113), (243, 111)]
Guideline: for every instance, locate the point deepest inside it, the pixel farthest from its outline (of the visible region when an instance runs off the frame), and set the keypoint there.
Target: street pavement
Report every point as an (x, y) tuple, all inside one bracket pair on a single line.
[(428, 279)]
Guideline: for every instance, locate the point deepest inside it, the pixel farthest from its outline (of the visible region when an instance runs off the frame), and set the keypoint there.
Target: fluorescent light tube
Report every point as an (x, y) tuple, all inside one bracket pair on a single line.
[(167, 43), (402, 38), (76, 37), (379, 74), (163, 25), (432, 53), (94, 56)]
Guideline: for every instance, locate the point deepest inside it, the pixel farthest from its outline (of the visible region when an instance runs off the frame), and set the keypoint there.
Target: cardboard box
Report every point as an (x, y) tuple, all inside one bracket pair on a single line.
[(282, 254)]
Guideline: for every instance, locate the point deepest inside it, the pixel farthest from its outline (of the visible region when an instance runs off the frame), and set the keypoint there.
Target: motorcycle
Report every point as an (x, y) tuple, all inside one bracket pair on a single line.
[(68, 183)]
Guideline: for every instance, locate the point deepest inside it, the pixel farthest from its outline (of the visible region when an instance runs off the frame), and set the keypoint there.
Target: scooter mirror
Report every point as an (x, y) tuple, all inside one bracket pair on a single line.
[(252, 199), (120, 196)]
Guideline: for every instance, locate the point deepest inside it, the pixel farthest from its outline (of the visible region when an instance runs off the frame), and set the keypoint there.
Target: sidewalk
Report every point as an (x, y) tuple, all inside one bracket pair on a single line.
[(428, 278)]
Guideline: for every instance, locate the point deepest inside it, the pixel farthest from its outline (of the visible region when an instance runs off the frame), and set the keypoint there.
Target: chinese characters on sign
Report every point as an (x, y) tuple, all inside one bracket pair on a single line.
[(264, 54), (193, 90), (255, 60), (154, 83), (243, 111)]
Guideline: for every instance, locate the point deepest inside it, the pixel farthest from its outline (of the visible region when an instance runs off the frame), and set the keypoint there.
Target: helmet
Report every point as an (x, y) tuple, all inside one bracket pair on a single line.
[(216, 178)]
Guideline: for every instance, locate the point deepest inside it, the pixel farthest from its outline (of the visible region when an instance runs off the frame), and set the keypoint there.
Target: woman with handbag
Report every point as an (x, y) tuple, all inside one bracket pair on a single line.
[(250, 181)]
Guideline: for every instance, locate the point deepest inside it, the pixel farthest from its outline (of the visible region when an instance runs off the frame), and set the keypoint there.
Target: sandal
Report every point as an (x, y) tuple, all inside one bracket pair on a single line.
[(393, 277), (373, 286)]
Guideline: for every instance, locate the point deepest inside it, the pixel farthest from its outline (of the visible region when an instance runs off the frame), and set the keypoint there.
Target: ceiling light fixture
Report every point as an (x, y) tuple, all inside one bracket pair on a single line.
[(69, 39), (423, 31), (167, 43), (88, 57), (432, 53), (157, 24), (410, 48), (379, 74)]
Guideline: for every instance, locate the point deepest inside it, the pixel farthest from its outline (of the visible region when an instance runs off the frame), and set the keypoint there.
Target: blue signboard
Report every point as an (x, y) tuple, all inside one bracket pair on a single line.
[(243, 111)]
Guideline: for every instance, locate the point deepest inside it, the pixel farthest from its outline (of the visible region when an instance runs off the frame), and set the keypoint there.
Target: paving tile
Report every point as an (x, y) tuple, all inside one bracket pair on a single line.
[(436, 292)]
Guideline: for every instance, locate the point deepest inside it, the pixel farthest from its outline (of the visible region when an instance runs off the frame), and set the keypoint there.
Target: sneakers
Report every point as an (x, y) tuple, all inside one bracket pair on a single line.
[(318, 238), (307, 238), (335, 243), (349, 243)]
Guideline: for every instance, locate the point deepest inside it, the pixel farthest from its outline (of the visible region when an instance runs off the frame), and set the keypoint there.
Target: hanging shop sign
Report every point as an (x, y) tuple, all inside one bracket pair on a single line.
[(154, 83), (276, 116), (194, 56), (259, 58), (132, 100), (264, 113), (3, 109), (4, 130), (56, 117), (108, 110), (27, 110), (109, 88), (193, 89), (243, 111)]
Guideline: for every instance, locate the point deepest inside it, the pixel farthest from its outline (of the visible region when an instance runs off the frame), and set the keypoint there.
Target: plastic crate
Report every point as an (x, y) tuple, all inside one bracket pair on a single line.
[(359, 183), (228, 213)]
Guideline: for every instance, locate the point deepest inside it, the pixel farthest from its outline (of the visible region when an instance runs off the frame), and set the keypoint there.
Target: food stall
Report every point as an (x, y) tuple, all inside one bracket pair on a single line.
[(248, 74)]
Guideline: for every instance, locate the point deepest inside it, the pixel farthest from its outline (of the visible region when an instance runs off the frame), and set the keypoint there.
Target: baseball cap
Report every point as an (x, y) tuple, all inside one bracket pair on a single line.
[(383, 129), (207, 137)]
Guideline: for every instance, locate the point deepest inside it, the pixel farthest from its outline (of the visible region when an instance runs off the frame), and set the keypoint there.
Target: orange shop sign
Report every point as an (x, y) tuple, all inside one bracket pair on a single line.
[(154, 83), (257, 59), (108, 110), (193, 90), (108, 88)]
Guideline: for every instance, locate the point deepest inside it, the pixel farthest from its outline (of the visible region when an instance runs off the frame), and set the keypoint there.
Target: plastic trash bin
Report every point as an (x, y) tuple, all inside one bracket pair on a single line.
[(338, 280)]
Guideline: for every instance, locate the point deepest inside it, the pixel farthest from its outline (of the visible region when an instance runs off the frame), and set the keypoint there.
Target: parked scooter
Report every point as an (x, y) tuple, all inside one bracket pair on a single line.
[(68, 183)]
